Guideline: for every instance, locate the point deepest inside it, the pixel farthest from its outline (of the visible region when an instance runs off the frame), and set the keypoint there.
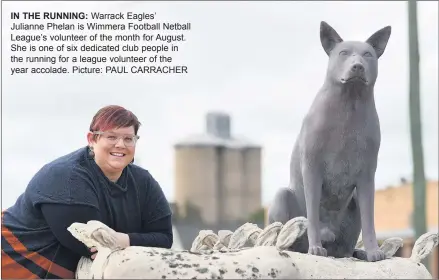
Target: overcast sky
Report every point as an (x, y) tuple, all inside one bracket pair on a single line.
[(261, 62)]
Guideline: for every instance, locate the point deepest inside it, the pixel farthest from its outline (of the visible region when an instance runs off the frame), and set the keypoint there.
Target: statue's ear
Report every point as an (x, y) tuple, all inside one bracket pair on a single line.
[(379, 40), (328, 37)]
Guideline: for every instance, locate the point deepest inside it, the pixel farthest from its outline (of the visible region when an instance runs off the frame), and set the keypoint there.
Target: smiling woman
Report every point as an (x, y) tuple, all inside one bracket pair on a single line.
[(97, 182)]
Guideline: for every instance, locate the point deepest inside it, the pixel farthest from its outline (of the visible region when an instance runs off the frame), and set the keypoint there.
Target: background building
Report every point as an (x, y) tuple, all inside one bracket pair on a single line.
[(217, 175), (393, 217)]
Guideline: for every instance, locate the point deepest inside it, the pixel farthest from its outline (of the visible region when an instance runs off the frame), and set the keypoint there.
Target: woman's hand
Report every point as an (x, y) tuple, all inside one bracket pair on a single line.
[(93, 249)]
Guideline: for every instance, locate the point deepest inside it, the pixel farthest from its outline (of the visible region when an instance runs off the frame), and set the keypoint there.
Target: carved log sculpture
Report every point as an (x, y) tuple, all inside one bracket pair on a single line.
[(249, 252)]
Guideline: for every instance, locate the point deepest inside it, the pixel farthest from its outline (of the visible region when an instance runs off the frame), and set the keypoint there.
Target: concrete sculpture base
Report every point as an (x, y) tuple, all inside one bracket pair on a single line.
[(249, 252)]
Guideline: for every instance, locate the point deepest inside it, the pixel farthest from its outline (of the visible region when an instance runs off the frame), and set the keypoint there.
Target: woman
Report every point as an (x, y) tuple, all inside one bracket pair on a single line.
[(97, 182)]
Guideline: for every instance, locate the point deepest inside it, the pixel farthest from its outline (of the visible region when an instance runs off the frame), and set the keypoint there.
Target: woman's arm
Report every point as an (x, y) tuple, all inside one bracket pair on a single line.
[(156, 234), (65, 201), (157, 221), (60, 216)]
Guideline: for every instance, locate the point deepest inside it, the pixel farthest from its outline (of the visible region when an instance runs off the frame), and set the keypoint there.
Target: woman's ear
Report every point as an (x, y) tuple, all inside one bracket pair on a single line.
[(90, 139)]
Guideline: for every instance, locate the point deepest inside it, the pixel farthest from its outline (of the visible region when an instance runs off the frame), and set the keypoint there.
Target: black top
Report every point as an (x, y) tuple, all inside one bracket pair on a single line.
[(74, 189)]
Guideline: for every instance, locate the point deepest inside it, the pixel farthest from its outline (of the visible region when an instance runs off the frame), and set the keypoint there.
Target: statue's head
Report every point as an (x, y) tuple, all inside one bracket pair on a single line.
[(353, 62)]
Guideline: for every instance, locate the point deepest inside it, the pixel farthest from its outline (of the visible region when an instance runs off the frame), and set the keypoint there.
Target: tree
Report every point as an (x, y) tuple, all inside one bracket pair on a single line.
[(258, 217), (419, 186)]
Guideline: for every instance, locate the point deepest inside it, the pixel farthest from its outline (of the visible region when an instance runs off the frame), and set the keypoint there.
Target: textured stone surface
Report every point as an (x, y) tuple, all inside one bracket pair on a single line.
[(272, 261)]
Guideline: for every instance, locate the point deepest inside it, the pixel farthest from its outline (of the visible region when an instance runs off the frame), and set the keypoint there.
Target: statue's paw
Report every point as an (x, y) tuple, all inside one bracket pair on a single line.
[(359, 254), (318, 251), (327, 235), (375, 255)]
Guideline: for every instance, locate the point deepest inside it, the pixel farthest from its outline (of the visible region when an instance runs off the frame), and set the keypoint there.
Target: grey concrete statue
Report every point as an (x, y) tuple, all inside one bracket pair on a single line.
[(334, 159)]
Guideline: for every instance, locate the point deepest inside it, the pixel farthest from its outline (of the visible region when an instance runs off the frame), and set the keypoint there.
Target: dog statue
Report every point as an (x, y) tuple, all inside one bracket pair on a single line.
[(334, 159)]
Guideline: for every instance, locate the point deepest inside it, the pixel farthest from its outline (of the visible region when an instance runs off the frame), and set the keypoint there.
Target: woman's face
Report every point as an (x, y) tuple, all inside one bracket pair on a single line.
[(114, 149)]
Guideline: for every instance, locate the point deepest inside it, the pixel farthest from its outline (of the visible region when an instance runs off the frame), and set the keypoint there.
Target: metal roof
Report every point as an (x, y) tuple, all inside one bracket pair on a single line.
[(212, 140), (217, 133)]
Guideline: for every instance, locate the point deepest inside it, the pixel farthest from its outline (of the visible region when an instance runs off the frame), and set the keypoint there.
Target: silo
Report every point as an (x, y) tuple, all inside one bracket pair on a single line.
[(217, 173), (252, 186), (196, 184)]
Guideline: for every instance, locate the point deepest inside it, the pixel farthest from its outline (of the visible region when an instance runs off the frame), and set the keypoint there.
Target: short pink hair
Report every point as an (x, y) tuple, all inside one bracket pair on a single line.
[(114, 116)]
